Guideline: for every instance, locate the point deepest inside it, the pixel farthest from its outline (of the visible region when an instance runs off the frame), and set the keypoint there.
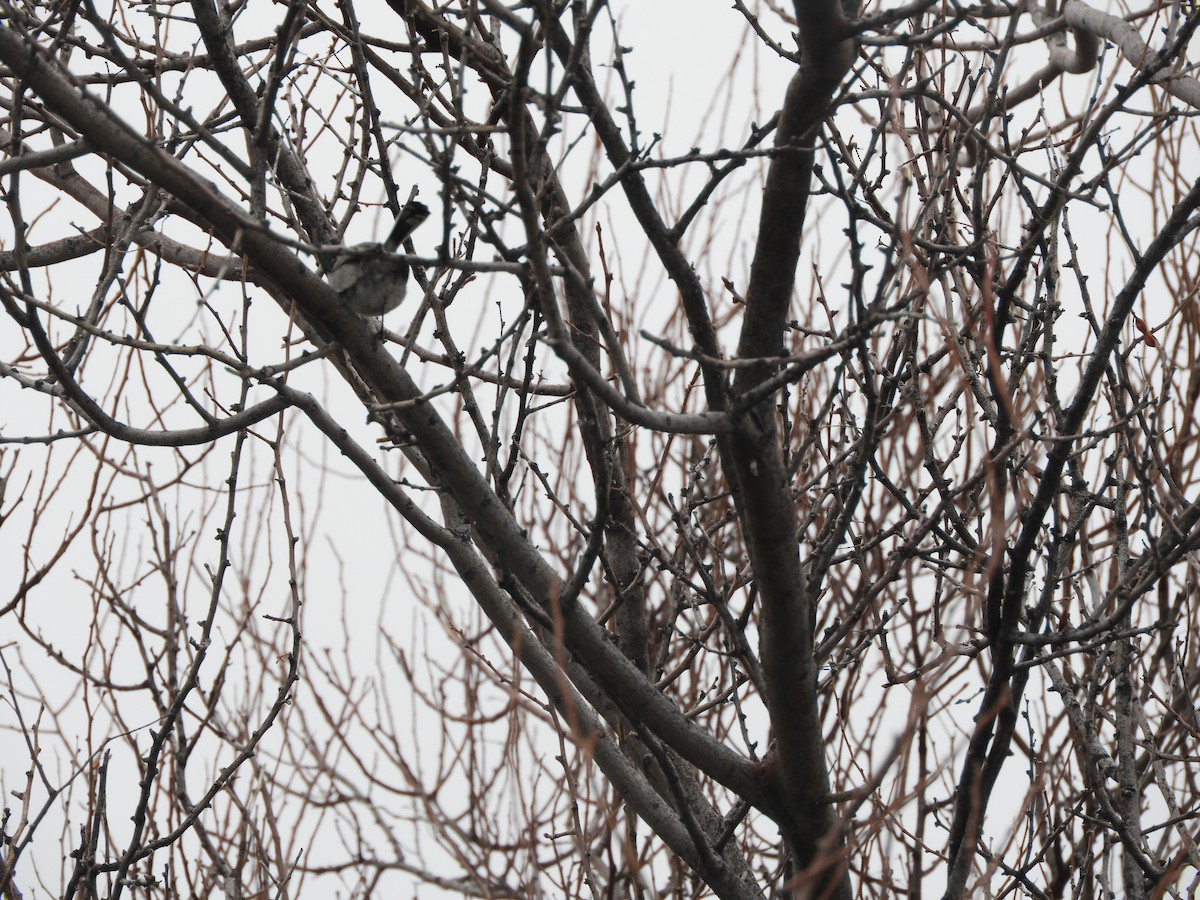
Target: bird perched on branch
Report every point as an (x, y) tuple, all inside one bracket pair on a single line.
[(370, 278)]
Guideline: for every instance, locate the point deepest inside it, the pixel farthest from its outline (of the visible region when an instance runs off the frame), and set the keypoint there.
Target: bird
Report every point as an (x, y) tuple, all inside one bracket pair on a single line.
[(370, 278)]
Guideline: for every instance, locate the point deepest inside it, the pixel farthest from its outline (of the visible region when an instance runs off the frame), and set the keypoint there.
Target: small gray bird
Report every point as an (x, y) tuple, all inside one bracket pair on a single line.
[(369, 277)]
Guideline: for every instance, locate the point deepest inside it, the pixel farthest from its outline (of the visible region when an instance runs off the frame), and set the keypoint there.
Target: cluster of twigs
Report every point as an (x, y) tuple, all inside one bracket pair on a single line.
[(803, 505)]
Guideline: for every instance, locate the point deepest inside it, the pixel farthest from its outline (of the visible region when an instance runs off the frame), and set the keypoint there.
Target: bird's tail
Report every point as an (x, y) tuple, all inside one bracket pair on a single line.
[(413, 214)]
